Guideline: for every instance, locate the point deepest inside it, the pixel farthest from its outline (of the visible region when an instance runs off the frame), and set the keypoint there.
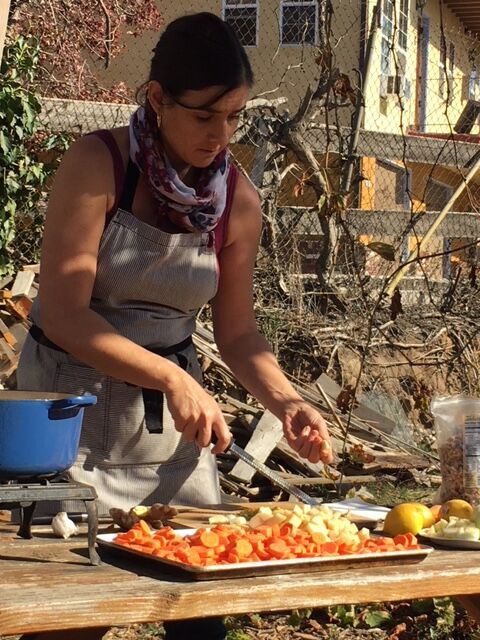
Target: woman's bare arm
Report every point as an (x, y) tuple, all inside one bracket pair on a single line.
[(246, 352), (83, 191)]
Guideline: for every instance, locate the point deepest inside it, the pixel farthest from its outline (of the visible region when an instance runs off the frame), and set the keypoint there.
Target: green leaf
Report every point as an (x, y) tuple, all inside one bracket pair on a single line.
[(3, 143), (321, 201), (37, 171), (386, 251), (11, 183), (375, 618)]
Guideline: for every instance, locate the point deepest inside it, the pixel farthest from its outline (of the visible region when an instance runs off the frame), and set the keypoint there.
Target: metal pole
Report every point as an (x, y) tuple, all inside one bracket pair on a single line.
[(414, 254), (360, 107)]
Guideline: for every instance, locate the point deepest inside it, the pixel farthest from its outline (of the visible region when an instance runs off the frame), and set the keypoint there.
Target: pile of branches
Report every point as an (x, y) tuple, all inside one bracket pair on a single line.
[(407, 356)]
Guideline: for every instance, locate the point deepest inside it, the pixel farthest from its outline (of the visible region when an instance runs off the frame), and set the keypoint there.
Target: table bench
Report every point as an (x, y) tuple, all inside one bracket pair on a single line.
[(48, 584)]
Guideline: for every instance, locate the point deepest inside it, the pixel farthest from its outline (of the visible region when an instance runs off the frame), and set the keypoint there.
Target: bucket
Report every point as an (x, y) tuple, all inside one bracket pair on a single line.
[(39, 432)]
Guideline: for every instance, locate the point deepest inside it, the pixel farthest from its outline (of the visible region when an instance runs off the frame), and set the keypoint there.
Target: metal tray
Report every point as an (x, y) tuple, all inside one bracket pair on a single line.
[(267, 567), (451, 543)]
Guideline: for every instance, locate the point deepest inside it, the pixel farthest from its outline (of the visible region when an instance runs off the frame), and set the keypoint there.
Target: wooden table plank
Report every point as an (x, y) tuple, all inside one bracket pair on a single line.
[(48, 585)]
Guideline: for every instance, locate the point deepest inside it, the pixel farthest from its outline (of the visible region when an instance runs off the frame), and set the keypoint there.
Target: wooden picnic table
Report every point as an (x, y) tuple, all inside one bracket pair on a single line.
[(47, 583)]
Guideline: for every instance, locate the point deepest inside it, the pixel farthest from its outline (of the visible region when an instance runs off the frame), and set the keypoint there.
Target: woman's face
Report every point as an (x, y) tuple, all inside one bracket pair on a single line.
[(193, 136)]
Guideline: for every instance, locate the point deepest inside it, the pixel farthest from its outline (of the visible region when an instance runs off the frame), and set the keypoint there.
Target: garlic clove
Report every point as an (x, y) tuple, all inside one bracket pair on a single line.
[(62, 526)]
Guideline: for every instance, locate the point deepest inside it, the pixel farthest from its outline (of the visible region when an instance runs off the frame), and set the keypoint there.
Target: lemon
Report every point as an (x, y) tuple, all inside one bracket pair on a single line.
[(408, 517), (457, 508), (429, 516)]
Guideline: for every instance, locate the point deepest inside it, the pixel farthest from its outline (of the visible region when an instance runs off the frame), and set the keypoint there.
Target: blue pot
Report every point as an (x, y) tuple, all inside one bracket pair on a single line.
[(39, 432)]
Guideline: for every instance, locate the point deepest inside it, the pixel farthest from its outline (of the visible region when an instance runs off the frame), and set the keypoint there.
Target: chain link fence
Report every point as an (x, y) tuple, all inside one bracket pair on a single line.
[(386, 96)]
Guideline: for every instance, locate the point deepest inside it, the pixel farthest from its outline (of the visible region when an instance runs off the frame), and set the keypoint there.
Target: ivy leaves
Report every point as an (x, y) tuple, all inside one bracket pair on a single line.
[(22, 174)]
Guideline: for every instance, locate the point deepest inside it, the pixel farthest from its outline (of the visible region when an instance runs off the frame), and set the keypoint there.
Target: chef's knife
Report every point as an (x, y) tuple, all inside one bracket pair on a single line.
[(273, 476)]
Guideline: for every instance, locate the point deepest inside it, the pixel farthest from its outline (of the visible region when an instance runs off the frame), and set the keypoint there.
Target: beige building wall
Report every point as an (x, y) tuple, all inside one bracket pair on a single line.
[(388, 113), (442, 115), (287, 70), (280, 70)]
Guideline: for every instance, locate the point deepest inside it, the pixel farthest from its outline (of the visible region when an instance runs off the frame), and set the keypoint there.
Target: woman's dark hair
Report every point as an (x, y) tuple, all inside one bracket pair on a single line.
[(198, 51)]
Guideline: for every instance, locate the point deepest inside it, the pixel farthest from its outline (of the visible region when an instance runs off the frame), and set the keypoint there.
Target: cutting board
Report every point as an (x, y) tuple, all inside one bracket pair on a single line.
[(195, 517)]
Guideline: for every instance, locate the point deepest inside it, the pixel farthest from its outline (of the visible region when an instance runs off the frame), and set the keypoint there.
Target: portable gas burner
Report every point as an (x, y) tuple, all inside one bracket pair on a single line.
[(24, 494)]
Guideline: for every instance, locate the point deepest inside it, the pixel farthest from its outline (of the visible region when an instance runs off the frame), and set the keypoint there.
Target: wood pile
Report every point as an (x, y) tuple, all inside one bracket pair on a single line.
[(366, 445), (365, 441), (16, 297)]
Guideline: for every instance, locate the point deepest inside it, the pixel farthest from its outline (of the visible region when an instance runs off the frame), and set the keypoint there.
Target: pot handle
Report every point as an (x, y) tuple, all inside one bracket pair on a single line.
[(69, 407)]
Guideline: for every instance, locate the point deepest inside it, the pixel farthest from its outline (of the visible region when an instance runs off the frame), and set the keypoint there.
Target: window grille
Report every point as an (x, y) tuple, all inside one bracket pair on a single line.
[(299, 22), (242, 15)]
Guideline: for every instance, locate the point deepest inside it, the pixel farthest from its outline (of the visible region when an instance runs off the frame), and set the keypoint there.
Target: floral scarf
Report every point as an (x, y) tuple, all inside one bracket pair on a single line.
[(203, 206)]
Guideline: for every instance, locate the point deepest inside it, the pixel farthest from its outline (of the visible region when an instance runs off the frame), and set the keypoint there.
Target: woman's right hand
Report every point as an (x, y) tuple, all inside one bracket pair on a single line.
[(196, 414)]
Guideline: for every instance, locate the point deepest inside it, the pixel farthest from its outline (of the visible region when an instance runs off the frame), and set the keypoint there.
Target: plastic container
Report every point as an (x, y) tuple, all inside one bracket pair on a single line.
[(39, 432), (457, 426)]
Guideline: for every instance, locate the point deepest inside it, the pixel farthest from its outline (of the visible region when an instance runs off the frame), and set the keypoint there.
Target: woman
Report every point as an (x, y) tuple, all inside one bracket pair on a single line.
[(145, 225)]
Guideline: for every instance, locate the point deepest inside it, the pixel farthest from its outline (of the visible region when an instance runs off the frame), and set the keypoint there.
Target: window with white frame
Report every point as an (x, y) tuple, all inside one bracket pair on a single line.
[(298, 22), (403, 25), (394, 22), (388, 17), (474, 85), (242, 15)]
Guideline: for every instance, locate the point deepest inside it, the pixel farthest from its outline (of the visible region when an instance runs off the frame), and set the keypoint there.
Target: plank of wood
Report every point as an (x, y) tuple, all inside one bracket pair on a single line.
[(22, 283), (456, 224), (347, 481), (58, 589), (266, 435), (394, 146), (5, 281), (397, 460), (83, 115), (7, 334), (19, 331), (35, 268), (7, 354), (195, 517), (21, 306)]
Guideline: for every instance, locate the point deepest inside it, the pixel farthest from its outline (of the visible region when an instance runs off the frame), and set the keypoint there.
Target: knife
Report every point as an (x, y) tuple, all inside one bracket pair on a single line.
[(272, 475)]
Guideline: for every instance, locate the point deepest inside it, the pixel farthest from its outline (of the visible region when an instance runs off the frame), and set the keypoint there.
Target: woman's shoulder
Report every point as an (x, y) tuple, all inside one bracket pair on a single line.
[(88, 169), (245, 194), (98, 147), (245, 214)]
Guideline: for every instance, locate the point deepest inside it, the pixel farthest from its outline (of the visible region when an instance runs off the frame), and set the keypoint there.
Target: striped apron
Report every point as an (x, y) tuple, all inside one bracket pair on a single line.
[(149, 286)]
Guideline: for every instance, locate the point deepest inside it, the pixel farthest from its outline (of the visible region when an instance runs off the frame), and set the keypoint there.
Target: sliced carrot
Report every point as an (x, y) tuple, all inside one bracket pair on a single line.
[(243, 548), (278, 549), (209, 539), (233, 558), (329, 548), (287, 530)]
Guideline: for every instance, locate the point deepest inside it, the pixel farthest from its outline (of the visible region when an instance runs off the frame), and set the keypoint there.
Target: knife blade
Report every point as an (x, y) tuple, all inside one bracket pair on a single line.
[(272, 475)]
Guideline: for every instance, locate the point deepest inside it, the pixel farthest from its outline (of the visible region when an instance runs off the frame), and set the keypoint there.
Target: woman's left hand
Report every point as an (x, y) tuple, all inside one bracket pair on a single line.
[(306, 432)]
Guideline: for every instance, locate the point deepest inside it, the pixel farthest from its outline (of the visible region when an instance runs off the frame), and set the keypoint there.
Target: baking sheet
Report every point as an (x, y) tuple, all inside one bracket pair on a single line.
[(451, 543), (267, 567)]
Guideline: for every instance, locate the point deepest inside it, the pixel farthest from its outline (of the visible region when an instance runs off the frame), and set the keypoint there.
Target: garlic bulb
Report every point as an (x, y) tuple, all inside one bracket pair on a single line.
[(62, 526)]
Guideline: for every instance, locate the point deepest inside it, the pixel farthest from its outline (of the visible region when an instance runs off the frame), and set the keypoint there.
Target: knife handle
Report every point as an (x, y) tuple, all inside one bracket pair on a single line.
[(214, 440)]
